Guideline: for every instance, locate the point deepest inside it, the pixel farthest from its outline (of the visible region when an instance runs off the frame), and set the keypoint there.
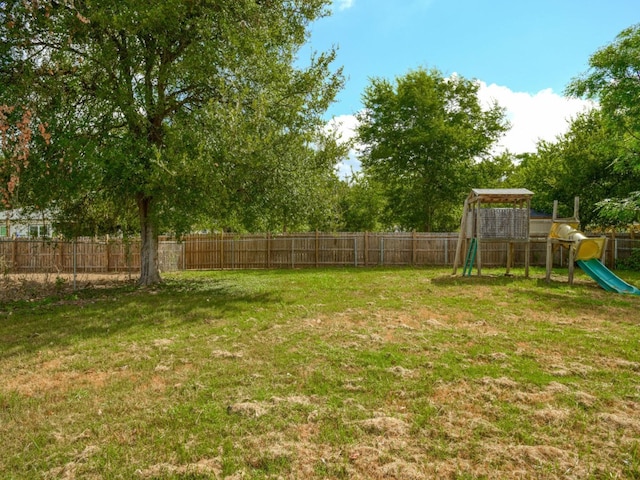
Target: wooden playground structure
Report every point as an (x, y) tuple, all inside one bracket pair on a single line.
[(564, 234), (493, 215), (510, 223)]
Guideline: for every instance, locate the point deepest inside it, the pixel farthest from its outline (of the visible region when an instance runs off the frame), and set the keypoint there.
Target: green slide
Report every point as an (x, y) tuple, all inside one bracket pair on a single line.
[(605, 277)]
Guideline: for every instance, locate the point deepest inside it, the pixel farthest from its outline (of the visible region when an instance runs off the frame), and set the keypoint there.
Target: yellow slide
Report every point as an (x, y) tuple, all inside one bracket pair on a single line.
[(585, 248)]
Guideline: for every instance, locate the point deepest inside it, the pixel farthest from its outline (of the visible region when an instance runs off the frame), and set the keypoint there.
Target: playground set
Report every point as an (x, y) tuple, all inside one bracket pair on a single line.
[(510, 224)]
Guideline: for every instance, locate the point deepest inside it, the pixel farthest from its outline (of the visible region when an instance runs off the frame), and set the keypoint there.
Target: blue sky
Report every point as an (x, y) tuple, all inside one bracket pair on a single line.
[(524, 52)]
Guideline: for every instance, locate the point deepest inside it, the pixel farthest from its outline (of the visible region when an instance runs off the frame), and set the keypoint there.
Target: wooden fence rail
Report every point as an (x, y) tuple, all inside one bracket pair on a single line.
[(227, 251)]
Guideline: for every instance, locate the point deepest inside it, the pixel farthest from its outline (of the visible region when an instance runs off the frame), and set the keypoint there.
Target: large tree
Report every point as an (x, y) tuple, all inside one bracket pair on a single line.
[(614, 81), (361, 204), (160, 106), (424, 136), (578, 163)]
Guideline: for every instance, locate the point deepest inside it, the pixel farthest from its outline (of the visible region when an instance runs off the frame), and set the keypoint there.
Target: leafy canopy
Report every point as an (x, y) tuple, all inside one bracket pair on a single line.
[(614, 80), (424, 136), (171, 109)]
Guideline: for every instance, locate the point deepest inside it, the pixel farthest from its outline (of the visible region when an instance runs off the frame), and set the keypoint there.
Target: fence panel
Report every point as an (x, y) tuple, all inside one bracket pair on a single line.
[(226, 251)]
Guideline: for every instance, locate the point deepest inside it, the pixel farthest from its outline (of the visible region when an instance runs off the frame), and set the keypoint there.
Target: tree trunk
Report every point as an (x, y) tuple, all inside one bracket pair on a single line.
[(149, 271)]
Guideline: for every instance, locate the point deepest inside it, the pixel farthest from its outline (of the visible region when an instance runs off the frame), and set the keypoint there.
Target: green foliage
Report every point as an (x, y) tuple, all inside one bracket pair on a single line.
[(614, 80), (579, 163), (493, 172), (423, 138), (177, 110), (630, 263), (620, 212), (361, 204)]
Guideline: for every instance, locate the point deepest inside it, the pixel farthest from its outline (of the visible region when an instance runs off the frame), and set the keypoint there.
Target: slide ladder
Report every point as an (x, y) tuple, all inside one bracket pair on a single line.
[(470, 258)]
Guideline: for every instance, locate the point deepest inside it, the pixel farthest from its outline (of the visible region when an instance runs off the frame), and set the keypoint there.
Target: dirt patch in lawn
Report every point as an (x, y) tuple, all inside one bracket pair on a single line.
[(35, 286), (56, 375)]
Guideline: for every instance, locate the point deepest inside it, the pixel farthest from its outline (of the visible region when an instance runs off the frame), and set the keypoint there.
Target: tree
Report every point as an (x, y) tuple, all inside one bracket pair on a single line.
[(493, 172), (579, 163), (291, 187), (160, 106), (614, 80), (16, 137), (424, 137), (361, 204)]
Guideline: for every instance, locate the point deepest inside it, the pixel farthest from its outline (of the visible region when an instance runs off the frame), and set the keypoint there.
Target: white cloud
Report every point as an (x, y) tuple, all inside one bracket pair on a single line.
[(541, 116), (344, 4), (345, 127)]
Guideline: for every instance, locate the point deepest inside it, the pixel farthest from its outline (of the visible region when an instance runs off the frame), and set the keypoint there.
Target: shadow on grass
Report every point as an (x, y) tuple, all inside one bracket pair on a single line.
[(57, 322), (556, 295), (489, 280)]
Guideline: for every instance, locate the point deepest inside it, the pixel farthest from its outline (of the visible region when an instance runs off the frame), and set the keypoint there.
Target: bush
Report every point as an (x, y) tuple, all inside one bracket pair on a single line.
[(630, 263)]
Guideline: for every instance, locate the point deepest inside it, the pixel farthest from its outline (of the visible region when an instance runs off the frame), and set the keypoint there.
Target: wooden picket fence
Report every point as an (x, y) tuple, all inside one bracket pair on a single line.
[(302, 250)]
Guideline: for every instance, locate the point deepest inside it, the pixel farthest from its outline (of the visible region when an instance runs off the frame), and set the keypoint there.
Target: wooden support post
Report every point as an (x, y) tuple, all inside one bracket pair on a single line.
[(612, 261), (317, 249), (478, 237), (549, 264), (571, 264), (604, 251), (461, 236), (527, 248)]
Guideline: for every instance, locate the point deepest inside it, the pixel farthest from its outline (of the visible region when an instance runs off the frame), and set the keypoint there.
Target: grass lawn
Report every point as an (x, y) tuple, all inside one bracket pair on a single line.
[(342, 373)]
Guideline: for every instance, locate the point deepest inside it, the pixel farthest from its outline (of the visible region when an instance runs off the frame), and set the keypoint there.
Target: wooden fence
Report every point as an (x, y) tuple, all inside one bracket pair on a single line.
[(226, 251)]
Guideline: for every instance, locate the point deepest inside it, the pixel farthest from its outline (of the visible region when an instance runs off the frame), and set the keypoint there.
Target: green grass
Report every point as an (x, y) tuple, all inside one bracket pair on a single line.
[(336, 373)]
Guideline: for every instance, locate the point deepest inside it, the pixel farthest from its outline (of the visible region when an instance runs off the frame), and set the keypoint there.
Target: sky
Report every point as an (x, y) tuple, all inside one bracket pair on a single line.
[(523, 53)]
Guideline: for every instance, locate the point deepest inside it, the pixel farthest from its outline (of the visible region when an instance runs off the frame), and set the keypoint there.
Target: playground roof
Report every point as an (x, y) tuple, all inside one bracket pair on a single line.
[(499, 195)]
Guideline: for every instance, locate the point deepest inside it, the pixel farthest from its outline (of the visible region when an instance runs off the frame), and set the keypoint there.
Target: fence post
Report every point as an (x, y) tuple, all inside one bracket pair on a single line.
[(269, 250), (446, 251), (107, 253), (413, 248), (233, 253), (293, 251), (317, 248), (183, 251), (366, 249), (14, 254), (60, 244), (75, 262), (355, 251), (222, 250), (381, 250)]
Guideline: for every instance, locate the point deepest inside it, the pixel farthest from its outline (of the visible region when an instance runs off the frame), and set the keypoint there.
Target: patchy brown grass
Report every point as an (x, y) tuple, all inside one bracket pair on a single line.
[(36, 286), (412, 379)]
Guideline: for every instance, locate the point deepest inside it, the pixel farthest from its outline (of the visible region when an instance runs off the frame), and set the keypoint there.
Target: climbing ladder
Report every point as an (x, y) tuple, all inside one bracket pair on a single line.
[(470, 258)]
